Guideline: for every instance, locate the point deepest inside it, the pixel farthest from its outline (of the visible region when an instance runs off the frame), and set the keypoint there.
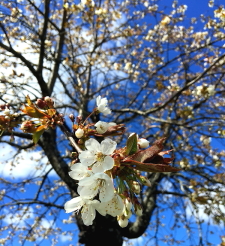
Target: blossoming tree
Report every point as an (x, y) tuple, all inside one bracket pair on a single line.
[(125, 99)]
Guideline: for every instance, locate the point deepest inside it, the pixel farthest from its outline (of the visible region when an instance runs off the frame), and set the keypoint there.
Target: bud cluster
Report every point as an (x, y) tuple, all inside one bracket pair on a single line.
[(8, 120)]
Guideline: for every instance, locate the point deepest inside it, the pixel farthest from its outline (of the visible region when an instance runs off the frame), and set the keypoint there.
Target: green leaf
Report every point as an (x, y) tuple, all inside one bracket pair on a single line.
[(36, 135), (131, 145)]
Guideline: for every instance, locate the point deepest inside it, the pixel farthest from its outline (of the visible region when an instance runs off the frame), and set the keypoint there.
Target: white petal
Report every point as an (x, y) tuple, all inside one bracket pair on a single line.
[(87, 158), (101, 176), (101, 101), (112, 124), (88, 181), (113, 207), (106, 111), (74, 204), (102, 208), (107, 191), (79, 189), (91, 186), (88, 214), (79, 171), (98, 100), (98, 168), (108, 146), (92, 145), (101, 108), (106, 164), (117, 206), (88, 192)]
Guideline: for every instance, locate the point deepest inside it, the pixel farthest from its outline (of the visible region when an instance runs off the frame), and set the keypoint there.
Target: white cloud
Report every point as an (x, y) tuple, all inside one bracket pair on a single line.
[(65, 238), (135, 242), (213, 207), (18, 219), (25, 164), (199, 213), (46, 224)]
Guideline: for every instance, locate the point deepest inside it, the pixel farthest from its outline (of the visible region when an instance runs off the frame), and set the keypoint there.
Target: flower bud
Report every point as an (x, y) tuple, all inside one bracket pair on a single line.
[(27, 126), (74, 154), (138, 211), (79, 133), (128, 204), (145, 181), (123, 222), (80, 142), (127, 213), (41, 104), (136, 187), (143, 143), (49, 101), (101, 127), (72, 118), (16, 115), (79, 119), (4, 106)]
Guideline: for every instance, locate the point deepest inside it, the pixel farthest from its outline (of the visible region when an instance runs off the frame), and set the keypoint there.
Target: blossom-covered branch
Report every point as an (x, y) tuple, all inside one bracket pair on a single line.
[(109, 178)]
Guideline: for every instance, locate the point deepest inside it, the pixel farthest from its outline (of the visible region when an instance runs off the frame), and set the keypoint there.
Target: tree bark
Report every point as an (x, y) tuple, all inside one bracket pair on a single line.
[(104, 231)]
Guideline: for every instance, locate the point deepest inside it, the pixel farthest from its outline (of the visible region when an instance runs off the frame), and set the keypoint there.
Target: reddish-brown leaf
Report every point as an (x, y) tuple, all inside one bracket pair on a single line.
[(151, 167), (149, 153)]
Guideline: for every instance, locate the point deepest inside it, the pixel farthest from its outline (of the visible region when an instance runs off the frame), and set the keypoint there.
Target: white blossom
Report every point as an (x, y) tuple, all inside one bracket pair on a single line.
[(102, 104), (16, 12), (205, 140), (114, 207), (211, 3), (128, 67), (100, 183), (102, 127), (97, 155), (48, 43), (165, 21), (117, 66), (89, 3), (88, 208), (66, 5), (6, 111), (211, 90), (220, 13)]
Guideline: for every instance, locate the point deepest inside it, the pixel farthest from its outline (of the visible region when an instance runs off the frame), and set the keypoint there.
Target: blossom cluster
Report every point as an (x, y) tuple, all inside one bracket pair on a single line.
[(108, 182), (109, 178), (94, 173)]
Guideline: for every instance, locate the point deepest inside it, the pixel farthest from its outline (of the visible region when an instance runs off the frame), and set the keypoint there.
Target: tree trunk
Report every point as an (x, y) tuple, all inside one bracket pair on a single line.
[(104, 231)]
